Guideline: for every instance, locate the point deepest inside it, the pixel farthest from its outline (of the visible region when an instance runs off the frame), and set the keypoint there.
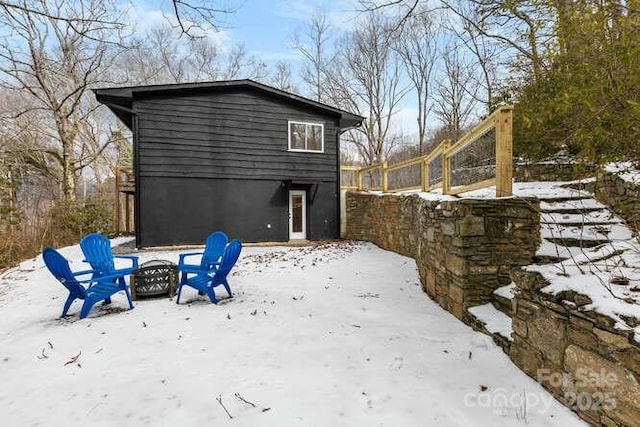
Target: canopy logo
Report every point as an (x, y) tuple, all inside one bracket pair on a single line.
[(585, 389)]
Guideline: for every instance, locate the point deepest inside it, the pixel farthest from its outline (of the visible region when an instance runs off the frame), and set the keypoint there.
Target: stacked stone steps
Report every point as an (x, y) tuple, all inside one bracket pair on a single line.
[(503, 299), (575, 242), (493, 322), (494, 318), (571, 204), (575, 229), (570, 226)]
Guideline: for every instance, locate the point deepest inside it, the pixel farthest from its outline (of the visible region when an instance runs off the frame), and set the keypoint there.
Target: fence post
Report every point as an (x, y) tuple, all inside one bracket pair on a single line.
[(446, 181), (385, 177), (359, 179), (504, 152), (424, 173)]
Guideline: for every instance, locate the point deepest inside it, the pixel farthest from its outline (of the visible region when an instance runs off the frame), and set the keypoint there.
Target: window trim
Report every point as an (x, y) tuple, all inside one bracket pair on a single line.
[(298, 150)]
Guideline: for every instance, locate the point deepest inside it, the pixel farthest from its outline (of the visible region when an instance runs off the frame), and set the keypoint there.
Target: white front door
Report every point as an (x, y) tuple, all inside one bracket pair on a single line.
[(297, 214)]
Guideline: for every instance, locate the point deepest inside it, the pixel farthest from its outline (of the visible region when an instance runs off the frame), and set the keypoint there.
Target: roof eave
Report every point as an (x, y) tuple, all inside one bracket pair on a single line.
[(120, 99), (350, 121)]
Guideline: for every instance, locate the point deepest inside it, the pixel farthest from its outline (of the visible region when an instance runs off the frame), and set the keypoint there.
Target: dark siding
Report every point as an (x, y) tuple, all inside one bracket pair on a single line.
[(217, 162), (186, 210), (323, 213), (229, 134)]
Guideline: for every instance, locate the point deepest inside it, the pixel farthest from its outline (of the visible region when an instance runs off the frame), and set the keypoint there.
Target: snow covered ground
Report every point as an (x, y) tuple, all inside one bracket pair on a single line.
[(331, 335)]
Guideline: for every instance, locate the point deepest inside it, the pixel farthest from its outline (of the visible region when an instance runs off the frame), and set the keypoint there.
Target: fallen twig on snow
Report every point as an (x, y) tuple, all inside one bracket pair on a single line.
[(74, 359), (219, 399), (241, 398), (368, 295)]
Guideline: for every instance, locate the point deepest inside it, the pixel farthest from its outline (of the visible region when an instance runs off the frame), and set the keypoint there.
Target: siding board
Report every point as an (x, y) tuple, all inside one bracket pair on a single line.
[(229, 135)]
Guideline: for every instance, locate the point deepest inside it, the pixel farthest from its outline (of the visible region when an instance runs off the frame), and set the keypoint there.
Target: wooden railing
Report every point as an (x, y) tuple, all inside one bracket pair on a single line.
[(481, 158), (125, 188)]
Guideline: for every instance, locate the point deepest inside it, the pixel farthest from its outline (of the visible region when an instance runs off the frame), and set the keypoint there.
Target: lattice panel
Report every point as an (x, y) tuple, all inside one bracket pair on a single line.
[(435, 171), (404, 177), (348, 178), (476, 162), (372, 179)]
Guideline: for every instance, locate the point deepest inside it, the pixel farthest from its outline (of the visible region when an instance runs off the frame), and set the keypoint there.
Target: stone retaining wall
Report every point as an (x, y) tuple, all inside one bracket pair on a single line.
[(464, 249), (552, 171), (579, 356), (620, 196)]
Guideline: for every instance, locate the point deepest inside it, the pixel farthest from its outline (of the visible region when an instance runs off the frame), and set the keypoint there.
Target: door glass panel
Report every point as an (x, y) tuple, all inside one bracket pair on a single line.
[(296, 212)]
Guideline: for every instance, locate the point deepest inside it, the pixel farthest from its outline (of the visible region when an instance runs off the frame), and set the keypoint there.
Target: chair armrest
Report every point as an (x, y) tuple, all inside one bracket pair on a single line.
[(188, 268), (183, 256), (110, 278), (83, 272), (133, 258)]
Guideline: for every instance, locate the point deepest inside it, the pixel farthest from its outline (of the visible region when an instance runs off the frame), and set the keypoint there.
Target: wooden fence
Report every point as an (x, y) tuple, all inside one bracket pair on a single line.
[(481, 158)]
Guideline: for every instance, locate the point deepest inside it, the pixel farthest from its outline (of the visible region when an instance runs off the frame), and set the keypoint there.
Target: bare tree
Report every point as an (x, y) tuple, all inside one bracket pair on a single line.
[(365, 78), (194, 15), (239, 64), (56, 64), (165, 51), (455, 96), (406, 9), (28, 176), (137, 65), (281, 77), (313, 45), (416, 45), (486, 51), (524, 28), (191, 16), (162, 56), (203, 59)]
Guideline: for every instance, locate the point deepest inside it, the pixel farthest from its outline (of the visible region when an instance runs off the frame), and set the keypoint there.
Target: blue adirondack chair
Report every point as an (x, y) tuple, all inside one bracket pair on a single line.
[(213, 250), (97, 252), (100, 288), (216, 276)]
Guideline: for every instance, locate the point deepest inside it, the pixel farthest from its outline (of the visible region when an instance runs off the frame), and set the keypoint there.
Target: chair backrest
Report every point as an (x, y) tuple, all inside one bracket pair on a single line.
[(59, 267), (97, 251), (213, 250), (229, 258)]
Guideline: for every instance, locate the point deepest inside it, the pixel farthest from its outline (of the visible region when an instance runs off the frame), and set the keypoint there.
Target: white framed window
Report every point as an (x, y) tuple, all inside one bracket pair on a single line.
[(304, 136)]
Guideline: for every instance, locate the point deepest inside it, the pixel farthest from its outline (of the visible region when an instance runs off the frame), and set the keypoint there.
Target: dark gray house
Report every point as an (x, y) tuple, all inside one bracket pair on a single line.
[(258, 163)]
